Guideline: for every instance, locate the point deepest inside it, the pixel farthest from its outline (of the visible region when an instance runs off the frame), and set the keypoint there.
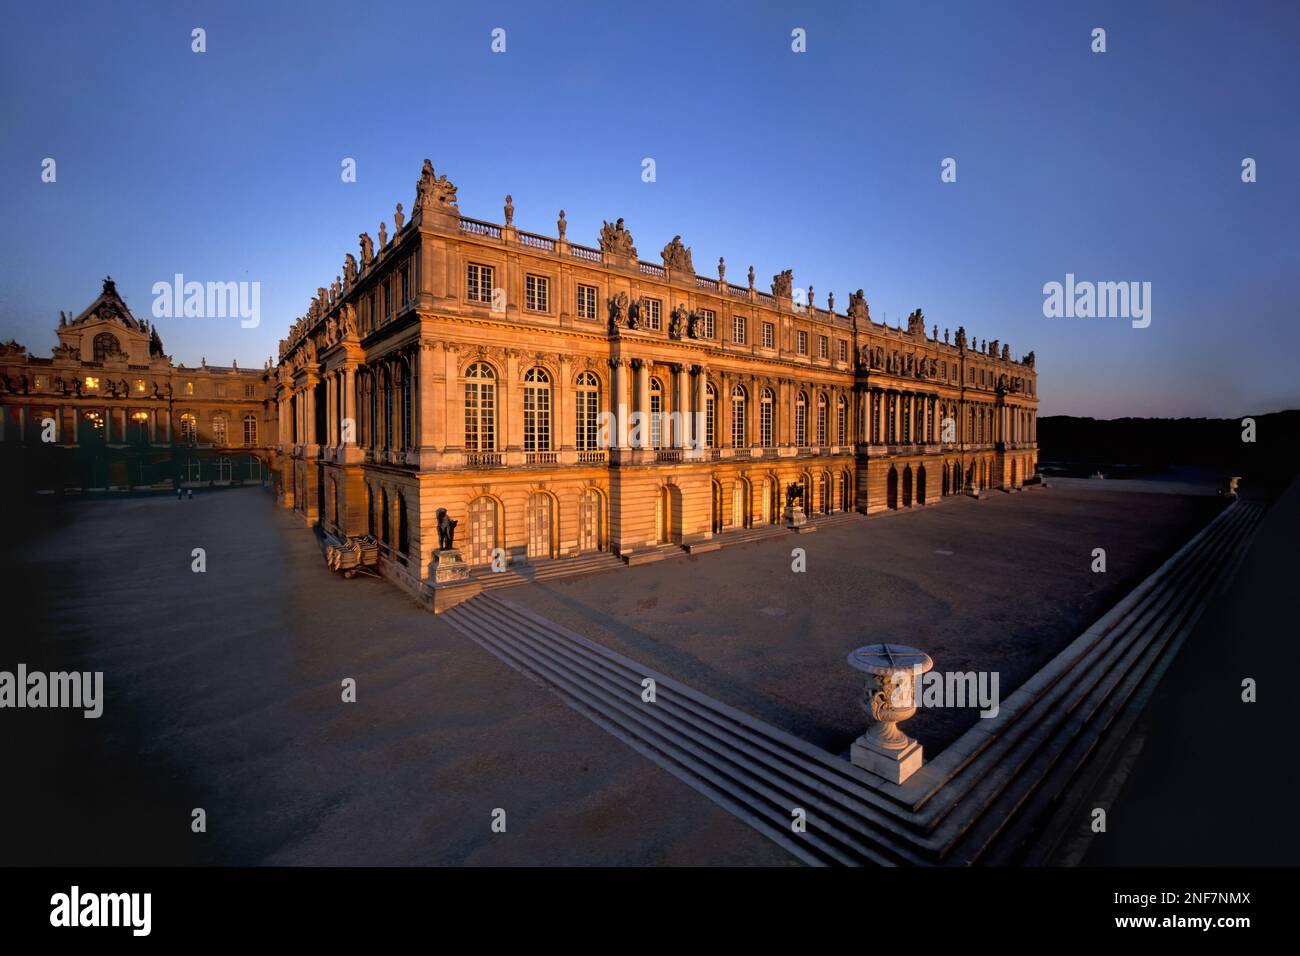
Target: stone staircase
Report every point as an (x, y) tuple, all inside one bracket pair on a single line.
[(981, 800)]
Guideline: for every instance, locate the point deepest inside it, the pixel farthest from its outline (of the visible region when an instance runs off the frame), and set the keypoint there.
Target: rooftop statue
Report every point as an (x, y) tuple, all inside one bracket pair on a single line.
[(677, 256), (783, 284), (617, 240)]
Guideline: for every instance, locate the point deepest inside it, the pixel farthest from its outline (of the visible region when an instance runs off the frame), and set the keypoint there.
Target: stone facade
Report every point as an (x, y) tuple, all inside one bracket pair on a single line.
[(109, 409), (461, 363)]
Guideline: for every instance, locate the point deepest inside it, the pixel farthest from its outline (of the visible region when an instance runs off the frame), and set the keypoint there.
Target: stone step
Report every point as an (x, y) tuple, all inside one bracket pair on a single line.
[(1009, 770), (753, 764), (976, 795), (1008, 844), (545, 570)]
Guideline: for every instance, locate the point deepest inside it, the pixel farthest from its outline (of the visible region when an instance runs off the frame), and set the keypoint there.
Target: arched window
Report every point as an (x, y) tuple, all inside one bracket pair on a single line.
[(821, 419), (219, 429), (480, 407), (739, 437), (250, 430), (907, 418), (587, 398), (386, 383), (656, 414), (841, 421), (537, 410), (710, 416), (383, 515), (189, 428), (765, 418), (403, 542), (105, 344), (801, 420)]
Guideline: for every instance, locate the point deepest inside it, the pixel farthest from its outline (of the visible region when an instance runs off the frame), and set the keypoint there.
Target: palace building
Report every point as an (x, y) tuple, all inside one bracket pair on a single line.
[(109, 410), (471, 366)]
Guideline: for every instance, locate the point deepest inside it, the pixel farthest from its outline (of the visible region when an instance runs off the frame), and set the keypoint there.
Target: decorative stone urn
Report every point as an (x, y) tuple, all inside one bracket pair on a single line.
[(889, 698)]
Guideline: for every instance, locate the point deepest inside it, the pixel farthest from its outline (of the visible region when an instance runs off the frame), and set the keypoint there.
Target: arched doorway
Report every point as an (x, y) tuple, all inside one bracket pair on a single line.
[(766, 505), (541, 522), (717, 506), (591, 520), (483, 530), (827, 501), (844, 491), (907, 487), (920, 485), (891, 489), (946, 488), (740, 505)]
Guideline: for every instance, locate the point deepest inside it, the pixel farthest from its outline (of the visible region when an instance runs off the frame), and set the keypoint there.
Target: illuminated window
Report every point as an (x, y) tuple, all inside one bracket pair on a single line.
[(250, 430), (189, 428), (219, 430), (92, 382), (189, 388)]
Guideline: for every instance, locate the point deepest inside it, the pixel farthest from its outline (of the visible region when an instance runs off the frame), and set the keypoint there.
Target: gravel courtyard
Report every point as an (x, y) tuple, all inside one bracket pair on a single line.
[(223, 689), (999, 584)]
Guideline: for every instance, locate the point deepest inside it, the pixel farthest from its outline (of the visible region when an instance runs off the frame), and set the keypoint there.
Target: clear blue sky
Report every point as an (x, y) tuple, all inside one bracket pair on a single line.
[(1117, 166)]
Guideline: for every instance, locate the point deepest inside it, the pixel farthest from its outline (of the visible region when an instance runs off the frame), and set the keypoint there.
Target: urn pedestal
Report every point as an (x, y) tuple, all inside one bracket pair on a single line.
[(889, 699), (449, 567), (794, 517)]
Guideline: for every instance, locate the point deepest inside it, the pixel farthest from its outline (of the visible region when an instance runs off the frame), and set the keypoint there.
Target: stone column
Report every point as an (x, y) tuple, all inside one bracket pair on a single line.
[(620, 403), (682, 406)]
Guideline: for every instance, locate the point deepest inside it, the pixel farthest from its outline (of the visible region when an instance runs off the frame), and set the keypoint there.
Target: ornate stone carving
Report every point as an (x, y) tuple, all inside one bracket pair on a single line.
[(617, 240), (432, 192), (1029, 359), (961, 337), (916, 324), (783, 284), (561, 224), (367, 250), (617, 310), (858, 310), (677, 322), (510, 211), (399, 217), (677, 256)]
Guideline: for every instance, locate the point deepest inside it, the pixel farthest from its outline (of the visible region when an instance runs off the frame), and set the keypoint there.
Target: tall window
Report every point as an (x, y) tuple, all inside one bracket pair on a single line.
[(656, 414), (537, 410), (821, 419), (841, 421), (586, 301), (765, 418), (844, 350), (587, 392), (907, 419), (537, 293), (769, 335), (801, 420), (388, 408), (654, 314), (823, 347), (105, 344), (738, 329), (480, 408), (803, 342), (710, 416), (189, 428), (739, 437), (707, 317), (250, 430), (478, 282), (219, 430)]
